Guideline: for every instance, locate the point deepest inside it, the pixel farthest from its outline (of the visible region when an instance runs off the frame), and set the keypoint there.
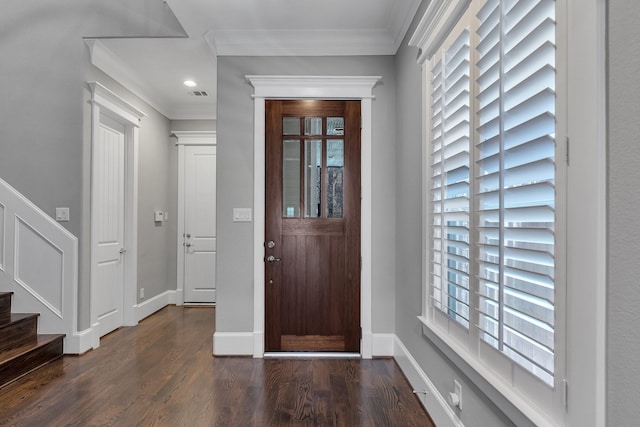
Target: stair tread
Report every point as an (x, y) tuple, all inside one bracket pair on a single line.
[(14, 318), (38, 341)]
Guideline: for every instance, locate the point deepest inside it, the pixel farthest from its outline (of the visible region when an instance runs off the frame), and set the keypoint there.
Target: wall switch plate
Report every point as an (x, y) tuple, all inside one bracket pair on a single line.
[(62, 214), (242, 214), (141, 293), (158, 216)]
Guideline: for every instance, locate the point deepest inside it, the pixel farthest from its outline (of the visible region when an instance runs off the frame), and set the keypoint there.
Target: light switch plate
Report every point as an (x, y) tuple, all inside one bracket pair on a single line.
[(241, 214), (62, 214)]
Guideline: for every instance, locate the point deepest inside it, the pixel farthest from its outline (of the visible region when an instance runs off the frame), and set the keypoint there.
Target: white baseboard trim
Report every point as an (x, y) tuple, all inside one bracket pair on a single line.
[(258, 344), (366, 345), (437, 406), (83, 341), (382, 345), (79, 342), (150, 306), (233, 344)]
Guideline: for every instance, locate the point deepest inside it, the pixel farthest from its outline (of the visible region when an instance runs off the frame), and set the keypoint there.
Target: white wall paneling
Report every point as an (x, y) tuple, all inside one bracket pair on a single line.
[(39, 264)]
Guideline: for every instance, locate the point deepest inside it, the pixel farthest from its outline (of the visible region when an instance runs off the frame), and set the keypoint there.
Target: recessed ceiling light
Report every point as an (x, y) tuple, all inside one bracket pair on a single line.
[(190, 83)]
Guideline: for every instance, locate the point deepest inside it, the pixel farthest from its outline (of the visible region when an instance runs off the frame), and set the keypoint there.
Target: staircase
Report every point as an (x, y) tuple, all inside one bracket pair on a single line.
[(22, 350)]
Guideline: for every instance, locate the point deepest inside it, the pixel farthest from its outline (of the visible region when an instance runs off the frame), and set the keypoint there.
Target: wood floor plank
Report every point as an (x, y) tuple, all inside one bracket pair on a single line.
[(162, 373)]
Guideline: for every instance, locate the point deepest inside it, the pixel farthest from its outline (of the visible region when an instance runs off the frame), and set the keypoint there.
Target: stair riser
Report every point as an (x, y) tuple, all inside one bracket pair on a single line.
[(16, 368), (18, 332), (5, 304)]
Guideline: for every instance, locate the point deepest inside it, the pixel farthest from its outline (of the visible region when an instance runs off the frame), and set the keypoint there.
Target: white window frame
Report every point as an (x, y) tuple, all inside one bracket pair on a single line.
[(581, 116)]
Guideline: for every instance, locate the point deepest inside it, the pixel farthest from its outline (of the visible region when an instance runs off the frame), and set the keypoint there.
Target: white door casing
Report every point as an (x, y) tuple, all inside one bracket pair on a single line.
[(304, 87), (113, 119), (196, 217)]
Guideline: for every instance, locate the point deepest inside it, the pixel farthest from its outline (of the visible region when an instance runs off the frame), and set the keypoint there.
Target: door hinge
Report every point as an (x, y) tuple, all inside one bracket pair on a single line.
[(567, 151), (360, 263), (360, 332), (565, 393)]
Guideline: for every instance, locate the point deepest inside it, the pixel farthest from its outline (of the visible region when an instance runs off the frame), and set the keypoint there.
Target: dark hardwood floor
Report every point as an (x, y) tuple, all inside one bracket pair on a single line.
[(162, 373)]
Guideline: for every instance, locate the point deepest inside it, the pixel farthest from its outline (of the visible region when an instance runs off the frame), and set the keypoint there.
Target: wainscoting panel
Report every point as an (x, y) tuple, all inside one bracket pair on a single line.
[(39, 264), (39, 267)]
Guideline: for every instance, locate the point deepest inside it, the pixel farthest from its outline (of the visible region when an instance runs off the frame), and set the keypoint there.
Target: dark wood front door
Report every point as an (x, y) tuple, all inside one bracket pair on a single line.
[(312, 241)]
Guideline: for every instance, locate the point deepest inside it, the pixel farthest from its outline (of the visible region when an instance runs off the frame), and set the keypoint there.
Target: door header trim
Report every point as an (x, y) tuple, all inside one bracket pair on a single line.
[(318, 87)]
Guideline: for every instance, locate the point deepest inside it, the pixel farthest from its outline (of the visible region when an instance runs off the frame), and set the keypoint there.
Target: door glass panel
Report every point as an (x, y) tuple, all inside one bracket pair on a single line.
[(291, 125), (291, 178), (335, 178), (313, 125), (335, 125), (313, 178)]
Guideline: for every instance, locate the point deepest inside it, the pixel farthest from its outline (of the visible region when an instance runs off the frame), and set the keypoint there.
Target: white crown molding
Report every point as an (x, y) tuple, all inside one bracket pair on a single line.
[(400, 20), (325, 87), (105, 98), (438, 20)]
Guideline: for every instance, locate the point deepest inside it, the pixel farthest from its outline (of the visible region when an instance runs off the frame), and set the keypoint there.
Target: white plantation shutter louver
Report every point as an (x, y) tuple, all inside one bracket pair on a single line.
[(515, 194), (450, 189)]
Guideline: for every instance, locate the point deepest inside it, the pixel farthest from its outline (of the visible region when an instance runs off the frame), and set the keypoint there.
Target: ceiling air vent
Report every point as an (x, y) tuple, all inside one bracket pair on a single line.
[(200, 93)]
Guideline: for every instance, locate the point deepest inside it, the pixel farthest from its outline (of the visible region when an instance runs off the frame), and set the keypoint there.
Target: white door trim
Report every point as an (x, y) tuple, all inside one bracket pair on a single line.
[(184, 138), (310, 87), (104, 101)]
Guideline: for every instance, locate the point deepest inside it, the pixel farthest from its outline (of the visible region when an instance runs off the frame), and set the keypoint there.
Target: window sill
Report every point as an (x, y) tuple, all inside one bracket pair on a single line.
[(515, 407)]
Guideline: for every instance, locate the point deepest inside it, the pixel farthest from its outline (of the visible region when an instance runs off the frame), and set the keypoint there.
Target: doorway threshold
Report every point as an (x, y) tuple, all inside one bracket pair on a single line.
[(311, 355)]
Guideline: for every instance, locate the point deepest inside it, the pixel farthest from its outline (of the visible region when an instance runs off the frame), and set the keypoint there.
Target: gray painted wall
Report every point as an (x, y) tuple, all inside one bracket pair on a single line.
[(193, 125), (235, 167), (42, 138), (157, 188), (623, 296)]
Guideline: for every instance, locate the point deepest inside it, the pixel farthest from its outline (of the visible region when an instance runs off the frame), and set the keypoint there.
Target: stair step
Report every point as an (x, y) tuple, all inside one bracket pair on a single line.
[(18, 328), (19, 361), (5, 304)]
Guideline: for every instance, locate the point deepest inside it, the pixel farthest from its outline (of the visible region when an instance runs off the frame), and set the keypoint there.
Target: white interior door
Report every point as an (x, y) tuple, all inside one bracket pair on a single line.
[(200, 224), (109, 170)]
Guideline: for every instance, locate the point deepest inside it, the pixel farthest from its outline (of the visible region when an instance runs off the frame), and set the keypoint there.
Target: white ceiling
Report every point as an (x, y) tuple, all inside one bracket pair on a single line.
[(155, 69)]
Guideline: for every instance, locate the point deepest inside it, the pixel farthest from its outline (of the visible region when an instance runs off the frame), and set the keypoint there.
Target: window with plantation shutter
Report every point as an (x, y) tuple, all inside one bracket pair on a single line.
[(492, 174), (515, 180), (450, 192)]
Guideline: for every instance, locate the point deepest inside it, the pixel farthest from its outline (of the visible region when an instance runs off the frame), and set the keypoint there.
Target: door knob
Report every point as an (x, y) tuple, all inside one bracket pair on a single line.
[(122, 250), (271, 244), (272, 259), (188, 244)]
